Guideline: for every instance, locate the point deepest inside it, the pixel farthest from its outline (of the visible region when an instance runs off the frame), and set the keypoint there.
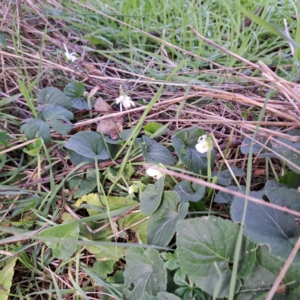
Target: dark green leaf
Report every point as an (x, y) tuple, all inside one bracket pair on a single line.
[(34, 128), (2, 40), (74, 91), (4, 136), (77, 159), (162, 223), (257, 284), (88, 144), (184, 143), (291, 180), (57, 117), (151, 197), (2, 160), (160, 296), (274, 264), (288, 153), (54, 96), (207, 243), (223, 197), (154, 152), (84, 185), (188, 191), (225, 177), (144, 272), (269, 226), (245, 147), (104, 267), (62, 249)]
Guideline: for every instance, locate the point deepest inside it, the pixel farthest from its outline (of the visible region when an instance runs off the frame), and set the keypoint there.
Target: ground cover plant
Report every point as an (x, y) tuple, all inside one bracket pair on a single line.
[(149, 150)]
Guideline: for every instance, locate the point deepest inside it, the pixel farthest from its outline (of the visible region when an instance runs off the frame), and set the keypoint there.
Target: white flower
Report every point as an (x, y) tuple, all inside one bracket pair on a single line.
[(70, 56), (153, 173), (203, 145), (125, 101)]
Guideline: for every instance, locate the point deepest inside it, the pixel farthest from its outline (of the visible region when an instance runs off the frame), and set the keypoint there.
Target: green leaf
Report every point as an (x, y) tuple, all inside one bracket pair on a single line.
[(274, 264), (84, 185), (57, 117), (257, 284), (2, 160), (184, 143), (291, 180), (225, 177), (152, 127), (2, 43), (54, 96), (245, 147), (269, 226), (139, 230), (188, 191), (35, 128), (160, 296), (206, 245), (67, 234), (104, 267), (144, 272), (74, 91), (154, 152), (88, 144), (151, 197), (223, 197), (288, 153), (34, 148), (162, 223), (6, 277), (3, 137)]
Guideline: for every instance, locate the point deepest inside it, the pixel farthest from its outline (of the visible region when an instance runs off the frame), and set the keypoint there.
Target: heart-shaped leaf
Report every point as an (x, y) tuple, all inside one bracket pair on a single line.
[(184, 143), (67, 234), (267, 225), (88, 144), (151, 197), (188, 191), (144, 272), (206, 247), (162, 223), (54, 96), (74, 91), (154, 152)]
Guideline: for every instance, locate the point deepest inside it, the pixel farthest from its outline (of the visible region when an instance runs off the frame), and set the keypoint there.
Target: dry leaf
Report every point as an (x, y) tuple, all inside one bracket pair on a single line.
[(112, 126)]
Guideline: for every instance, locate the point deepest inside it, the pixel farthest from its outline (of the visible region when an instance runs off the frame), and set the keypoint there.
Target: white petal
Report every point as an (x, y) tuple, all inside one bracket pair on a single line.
[(119, 100), (202, 147), (202, 138), (153, 173)]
